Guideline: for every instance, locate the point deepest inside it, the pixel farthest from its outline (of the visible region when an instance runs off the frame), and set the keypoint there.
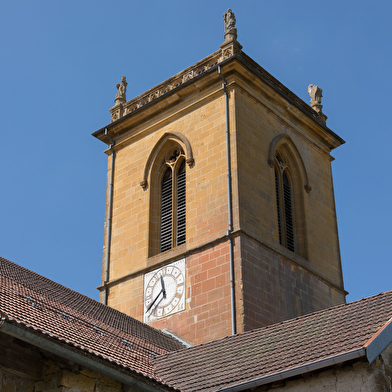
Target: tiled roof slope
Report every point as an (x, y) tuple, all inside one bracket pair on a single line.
[(277, 348), (61, 314)]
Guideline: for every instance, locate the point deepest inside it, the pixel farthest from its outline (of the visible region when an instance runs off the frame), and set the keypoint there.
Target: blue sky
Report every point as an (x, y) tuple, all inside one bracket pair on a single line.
[(59, 65)]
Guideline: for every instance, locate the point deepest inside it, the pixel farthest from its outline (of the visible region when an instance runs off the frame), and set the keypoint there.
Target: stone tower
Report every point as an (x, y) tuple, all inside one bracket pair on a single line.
[(220, 213)]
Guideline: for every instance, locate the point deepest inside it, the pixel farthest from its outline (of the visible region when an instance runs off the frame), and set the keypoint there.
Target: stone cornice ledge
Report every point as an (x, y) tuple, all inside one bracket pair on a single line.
[(168, 85), (227, 52), (290, 96)]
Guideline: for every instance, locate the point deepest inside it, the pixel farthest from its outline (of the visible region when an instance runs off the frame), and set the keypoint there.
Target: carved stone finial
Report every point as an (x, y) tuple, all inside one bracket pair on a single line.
[(122, 90), (230, 30), (315, 93), (230, 46)]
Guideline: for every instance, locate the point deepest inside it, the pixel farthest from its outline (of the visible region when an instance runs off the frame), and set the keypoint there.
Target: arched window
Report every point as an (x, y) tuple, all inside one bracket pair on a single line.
[(165, 178), (173, 201), (291, 186), (284, 203)]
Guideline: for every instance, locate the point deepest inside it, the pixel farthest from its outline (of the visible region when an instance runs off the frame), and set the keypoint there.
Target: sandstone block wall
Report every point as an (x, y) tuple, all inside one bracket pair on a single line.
[(351, 376), (57, 379), (206, 187), (257, 115), (208, 312), (275, 288), (258, 122)]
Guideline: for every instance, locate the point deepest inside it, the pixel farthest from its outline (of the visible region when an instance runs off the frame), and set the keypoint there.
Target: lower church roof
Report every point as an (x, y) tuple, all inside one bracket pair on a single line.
[(39, 306), (282, 350), (46, 308)]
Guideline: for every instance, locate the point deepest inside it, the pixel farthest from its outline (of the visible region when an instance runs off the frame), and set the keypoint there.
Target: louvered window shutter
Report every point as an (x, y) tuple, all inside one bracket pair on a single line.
[(181, 205), (278, 206), (288, 212), (166, 211)]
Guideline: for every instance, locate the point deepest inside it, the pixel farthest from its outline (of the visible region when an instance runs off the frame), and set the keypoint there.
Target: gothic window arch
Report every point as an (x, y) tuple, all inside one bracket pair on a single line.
[(291, 185), (165, 180)]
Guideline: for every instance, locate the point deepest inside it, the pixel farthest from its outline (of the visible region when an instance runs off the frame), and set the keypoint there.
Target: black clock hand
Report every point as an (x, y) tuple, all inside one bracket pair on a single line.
[(163, 287), (163, 297), (153, 302), (163, 291)]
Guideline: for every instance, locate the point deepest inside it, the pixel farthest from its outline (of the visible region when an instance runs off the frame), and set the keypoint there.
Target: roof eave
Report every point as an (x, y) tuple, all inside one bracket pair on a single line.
[(63, 351), (296, 371), (379, 341)]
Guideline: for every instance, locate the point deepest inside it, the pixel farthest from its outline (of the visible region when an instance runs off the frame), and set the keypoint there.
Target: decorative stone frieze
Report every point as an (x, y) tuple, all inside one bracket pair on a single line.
[(188, 76), (167, 86)]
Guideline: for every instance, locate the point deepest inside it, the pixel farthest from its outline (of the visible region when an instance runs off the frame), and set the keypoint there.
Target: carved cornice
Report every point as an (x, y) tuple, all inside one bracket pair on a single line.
[(168, 85), (267, 77), (230, 48)]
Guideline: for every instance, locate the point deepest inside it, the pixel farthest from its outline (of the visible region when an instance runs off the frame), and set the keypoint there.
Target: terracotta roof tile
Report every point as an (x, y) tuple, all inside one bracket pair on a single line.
[(244, 357), (48, 308), (65, 316)]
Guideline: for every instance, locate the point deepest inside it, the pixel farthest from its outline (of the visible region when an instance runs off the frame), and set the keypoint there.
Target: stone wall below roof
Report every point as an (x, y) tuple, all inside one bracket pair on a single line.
[(24, 368), (61, 380), (351, 376)]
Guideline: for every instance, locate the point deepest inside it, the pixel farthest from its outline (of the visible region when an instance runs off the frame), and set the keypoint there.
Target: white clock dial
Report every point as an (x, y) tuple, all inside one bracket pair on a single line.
[(164, 291)]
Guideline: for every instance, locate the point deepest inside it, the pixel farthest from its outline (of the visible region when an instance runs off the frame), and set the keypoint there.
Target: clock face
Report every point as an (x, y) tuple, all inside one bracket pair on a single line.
[(164, 291)]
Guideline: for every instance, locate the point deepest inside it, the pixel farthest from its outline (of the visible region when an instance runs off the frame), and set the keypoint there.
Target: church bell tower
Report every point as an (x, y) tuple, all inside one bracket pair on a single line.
[(220, 212)]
